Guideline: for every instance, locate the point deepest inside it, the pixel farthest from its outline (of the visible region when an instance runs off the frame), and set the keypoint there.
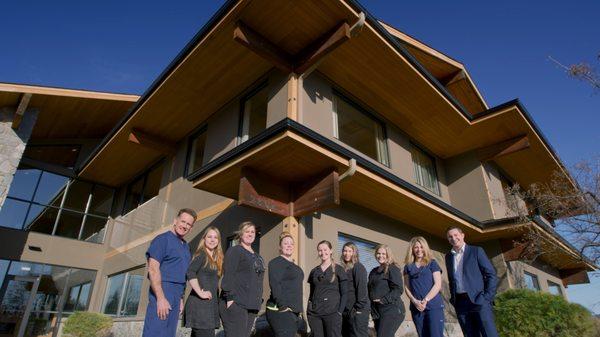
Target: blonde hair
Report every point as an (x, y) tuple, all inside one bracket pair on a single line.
[(348, 265), (242, 228), (284, 235), (214, 261), (390, 260), (328, 244), (410, 256)]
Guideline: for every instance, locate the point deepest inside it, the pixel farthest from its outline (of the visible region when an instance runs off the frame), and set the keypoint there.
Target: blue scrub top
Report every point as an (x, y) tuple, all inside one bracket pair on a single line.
[(421, 281), (173, 254)]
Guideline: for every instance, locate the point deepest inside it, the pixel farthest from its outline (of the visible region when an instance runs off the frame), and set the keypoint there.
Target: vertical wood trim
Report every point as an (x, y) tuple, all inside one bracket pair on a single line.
[(292, 101), (291, 225)]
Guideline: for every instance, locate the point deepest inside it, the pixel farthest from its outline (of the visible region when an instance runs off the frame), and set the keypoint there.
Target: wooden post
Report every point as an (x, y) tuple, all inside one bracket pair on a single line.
[(291, 225), (292, 103)]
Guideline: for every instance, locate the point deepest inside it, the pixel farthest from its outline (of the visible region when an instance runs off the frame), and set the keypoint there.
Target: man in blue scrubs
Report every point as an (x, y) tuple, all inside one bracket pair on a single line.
[(168, 260)]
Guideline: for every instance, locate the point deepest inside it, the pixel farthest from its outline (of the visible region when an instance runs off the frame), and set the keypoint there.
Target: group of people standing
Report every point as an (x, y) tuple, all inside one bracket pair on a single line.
[(342, 295)]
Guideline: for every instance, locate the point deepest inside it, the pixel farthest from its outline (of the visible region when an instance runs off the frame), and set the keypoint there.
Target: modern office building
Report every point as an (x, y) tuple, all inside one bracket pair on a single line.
[(308, 116)]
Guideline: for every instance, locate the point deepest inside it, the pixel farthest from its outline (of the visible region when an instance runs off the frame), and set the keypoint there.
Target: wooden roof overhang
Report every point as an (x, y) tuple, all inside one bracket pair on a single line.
[(288, 154), (67, 113), (214, 68)]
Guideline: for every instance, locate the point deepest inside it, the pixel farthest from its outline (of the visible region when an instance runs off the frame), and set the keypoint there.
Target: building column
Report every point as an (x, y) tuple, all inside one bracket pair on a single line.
[(12, 143)]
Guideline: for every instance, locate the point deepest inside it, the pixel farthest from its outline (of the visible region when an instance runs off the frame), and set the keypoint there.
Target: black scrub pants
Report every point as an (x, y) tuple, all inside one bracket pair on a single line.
[(355, 324), (326, 325), (284, 324), (237, 321), (389, 318)]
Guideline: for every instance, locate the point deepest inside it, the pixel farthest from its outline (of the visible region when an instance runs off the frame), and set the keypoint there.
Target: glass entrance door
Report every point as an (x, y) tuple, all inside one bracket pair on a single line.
[(18, 294)]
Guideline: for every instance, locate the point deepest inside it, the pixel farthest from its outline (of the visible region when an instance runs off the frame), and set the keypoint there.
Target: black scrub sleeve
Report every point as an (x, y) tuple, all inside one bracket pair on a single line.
[(395, 284), (228, 283), (343, 286), (195, 266), (360, 282), (275, 279)]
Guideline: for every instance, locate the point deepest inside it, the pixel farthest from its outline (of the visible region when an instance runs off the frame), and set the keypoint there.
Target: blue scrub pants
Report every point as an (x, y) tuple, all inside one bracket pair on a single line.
[(155, 327), (429, 323)]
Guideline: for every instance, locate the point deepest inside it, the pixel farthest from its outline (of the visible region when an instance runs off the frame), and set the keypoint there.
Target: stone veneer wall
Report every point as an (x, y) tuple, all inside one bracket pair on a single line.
[(12, 145)]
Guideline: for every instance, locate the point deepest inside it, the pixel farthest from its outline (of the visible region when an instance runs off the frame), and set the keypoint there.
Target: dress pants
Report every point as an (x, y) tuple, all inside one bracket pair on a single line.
[(355, 324), (475, 320), (237, 321), (326, 325), (155, 327), (429, 323)]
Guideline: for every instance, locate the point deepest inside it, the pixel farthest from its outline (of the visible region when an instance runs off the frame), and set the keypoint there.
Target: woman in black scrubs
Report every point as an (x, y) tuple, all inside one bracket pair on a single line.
[(242, 284), (201, 308), (355, 319), (285, 279), (385, 289), (328, 292)]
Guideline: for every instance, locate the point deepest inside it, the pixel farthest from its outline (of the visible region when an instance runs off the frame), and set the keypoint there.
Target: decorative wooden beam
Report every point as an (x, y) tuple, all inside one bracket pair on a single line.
[(271, 196), (321, 47), (317, 194), (259, 44), (453, 78), (504, 148), (152, 142), (574, 276), (20, 112)]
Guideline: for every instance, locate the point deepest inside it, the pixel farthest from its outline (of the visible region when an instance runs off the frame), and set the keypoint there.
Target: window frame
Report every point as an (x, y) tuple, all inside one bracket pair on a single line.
[(414, 146), (554, 284), (65, 193), (200, 130), (87, 302), (381, 137), (255, 89), (122, 293), (143, 175), (536, 281)]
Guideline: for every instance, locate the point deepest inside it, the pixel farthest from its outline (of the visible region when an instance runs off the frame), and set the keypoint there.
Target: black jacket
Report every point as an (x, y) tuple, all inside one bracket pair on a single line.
[(285, 280), (242, 281), (386, 287), (358, 297), (327, 296)]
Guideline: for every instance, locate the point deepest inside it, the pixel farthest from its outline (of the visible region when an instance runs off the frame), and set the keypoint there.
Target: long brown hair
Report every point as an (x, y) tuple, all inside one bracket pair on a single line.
[(389, 257), (214, 261), (349, 265), (328, 244)]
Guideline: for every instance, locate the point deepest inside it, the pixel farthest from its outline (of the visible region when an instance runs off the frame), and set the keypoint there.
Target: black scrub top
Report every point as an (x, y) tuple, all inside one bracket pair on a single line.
[(327, 296)]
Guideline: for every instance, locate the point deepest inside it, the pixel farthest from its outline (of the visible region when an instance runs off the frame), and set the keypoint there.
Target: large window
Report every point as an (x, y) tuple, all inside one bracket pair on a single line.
[(144, 187), (49, 203), (254, 113), (123, 293), (531, 281), (366, 250), (554, 288), (79, 296), (357, 128), (424, 169), (195, 155)]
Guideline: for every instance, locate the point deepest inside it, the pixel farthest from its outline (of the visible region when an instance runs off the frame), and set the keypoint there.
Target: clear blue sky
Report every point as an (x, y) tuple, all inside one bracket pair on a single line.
[(122, 46)]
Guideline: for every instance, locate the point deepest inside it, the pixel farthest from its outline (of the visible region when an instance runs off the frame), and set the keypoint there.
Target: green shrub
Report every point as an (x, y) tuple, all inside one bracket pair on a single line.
[(88, 324), (527, 313)]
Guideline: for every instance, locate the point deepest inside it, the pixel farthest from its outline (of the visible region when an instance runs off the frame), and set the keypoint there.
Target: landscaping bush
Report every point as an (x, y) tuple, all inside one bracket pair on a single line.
[(525, 313), (88, 324)]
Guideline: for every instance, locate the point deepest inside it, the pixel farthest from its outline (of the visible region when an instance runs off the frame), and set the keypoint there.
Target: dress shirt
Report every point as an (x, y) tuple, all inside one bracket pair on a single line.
[(458, 268)]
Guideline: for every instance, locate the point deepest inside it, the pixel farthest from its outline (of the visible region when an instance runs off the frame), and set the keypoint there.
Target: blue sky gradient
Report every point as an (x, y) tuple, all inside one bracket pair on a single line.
[(122, 46)]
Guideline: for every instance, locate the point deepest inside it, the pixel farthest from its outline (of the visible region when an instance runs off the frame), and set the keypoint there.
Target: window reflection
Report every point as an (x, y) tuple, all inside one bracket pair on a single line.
[(122, 296), (48, 203)]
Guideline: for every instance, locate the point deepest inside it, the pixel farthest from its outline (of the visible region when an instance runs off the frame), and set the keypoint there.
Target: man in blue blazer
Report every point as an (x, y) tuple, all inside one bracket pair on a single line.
[(473, 283)]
